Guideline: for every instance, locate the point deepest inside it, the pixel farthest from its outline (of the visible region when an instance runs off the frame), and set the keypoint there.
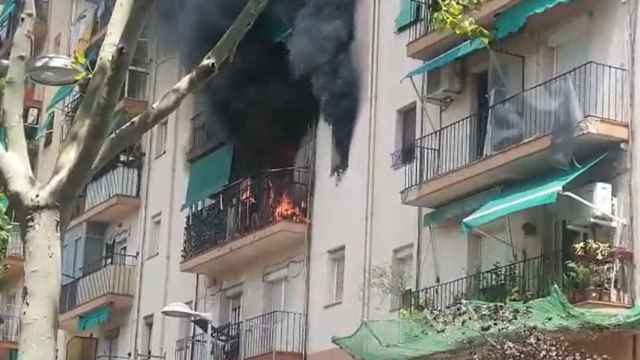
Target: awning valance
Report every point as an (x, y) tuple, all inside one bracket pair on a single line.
[(209, 175), (506, 23), (537, 192), (94, 319), (60, 95), (459, 208)]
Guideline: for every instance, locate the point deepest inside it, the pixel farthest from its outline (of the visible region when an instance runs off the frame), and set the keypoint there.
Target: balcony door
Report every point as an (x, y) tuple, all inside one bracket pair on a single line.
[(505, 122)]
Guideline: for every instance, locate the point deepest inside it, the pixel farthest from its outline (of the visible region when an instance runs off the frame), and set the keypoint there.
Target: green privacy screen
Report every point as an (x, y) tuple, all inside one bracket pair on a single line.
[(412, 339), (209, 174)]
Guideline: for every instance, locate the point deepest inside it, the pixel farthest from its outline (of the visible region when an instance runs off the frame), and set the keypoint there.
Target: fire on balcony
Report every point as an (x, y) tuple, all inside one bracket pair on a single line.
[(246, 206)]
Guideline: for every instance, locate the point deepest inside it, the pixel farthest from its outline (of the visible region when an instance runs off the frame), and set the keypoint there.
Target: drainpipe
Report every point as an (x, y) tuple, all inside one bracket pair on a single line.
[(634, 153), (371, 163), (167, 274), (418, 256), (308, 237)]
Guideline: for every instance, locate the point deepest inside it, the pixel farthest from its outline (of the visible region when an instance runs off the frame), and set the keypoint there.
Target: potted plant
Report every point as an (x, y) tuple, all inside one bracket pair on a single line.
[(577, 279), (592, 270)]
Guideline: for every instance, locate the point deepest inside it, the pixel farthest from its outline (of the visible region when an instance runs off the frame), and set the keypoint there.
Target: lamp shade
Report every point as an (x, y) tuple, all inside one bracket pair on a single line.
[(53, 70), (178, 310)]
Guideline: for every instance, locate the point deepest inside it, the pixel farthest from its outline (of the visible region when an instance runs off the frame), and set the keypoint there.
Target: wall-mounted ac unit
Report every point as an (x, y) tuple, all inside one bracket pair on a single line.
[(599, 194), (444, 84)]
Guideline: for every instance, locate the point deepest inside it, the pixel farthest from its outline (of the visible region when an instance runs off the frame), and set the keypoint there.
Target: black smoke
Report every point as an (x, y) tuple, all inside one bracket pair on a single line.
[(266, 100)]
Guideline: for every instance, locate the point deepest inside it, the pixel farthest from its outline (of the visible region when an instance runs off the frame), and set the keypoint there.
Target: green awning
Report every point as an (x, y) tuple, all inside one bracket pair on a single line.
[(94, 319), (450, 56), (506, 23), (459, 208), (60, 95), (46, 126), (537, 192), (209, 175)]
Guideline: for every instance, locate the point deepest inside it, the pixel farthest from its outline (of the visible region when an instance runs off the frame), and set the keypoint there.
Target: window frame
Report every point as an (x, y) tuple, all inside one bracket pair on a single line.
[(162, 132), (336, 279), (153, 246)]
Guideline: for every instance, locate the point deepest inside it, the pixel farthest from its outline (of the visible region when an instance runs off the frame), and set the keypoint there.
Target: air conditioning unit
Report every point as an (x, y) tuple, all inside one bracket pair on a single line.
[(444, 84), (601, 195)]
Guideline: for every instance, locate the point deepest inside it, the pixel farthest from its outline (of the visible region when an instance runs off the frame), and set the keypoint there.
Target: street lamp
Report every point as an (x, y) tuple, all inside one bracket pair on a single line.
[(53, 70), (183, 311)]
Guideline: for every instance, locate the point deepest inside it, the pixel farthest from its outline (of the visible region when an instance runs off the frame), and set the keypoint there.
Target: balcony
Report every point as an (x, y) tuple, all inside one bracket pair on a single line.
[(111, 196), (9, 326), (468, 155), (275, 335), (519, 281), (107, 283), (250, 218), (425, 42)]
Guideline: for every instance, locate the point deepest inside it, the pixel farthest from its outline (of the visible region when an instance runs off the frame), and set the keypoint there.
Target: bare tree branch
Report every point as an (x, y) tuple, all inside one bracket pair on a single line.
[(220, 55), (14, 161), (91, 122)]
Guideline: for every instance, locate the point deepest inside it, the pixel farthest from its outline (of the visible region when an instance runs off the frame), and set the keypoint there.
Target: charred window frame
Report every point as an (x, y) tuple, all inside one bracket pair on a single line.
[(135, 86)]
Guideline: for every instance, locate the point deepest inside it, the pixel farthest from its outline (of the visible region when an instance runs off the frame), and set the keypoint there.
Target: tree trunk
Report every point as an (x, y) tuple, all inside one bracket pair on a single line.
[(42, 281)]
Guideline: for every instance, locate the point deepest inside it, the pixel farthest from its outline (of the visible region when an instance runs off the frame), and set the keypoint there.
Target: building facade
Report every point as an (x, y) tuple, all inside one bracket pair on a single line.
[(465, 164)]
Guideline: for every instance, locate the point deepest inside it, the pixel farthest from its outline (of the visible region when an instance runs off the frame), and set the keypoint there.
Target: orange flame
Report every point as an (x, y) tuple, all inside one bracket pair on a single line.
[(287, 210)]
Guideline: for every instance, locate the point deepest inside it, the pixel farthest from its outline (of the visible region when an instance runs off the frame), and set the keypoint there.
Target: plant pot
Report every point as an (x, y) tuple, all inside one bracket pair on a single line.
[(605, 295), (592, 294), (577, 296)]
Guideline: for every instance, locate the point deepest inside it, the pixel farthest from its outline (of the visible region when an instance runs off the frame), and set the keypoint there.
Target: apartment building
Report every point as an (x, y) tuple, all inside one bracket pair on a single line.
[(285, 258)]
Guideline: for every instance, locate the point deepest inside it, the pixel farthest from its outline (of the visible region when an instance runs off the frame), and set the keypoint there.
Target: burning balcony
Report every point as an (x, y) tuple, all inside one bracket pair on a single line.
[(275, 335), (253, 216), (515, 138), (106, 286), (113, 194)]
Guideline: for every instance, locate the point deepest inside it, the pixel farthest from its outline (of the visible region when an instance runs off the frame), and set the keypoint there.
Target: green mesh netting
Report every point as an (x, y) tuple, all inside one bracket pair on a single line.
[(410, 339)]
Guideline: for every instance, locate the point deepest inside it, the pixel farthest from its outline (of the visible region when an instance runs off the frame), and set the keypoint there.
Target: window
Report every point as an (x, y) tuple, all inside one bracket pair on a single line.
[(161, 138), (410, 11), (402, 274), (153, 246), (185, 331), (135, 86), (336, 275), (405, 136), (231, 305), (276, 291), (147, 333)]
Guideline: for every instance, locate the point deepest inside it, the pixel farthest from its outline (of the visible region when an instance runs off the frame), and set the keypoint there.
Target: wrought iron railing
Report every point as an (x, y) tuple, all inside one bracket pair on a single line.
[(121, 180), (15, 247), (402, 156), (527, 279), (421, 11), (246, 206), (271, 333), (591, 90), (111, 275)]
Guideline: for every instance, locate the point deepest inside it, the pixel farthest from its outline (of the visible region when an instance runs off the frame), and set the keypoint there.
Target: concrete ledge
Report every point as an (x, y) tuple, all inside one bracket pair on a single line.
[(69, 319), (240, 252), (519, 161), (116, 208)]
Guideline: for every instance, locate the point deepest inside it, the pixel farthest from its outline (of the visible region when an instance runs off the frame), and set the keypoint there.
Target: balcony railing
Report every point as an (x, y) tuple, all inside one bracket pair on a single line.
[(268, 334), (111, 275), (591, 90), (527, 279), (120, 181), (246, 206), (421, 11), (10, 326), (15, 247)]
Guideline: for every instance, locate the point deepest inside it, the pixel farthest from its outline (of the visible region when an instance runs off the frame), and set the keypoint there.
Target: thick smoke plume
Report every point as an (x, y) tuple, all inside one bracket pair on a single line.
[(268, 98)]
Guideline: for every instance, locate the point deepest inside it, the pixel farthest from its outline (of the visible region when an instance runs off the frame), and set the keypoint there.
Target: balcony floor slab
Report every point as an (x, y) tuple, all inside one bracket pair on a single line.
[(517, 162), (118, 303), (238, 253), (114, 209)]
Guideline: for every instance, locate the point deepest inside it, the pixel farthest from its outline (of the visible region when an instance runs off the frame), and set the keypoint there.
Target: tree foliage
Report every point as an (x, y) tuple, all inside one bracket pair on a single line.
[(457, 16)]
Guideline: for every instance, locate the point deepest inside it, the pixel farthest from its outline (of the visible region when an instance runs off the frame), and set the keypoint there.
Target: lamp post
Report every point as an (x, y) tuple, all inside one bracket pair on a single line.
[(182, 311), (53, 70)]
